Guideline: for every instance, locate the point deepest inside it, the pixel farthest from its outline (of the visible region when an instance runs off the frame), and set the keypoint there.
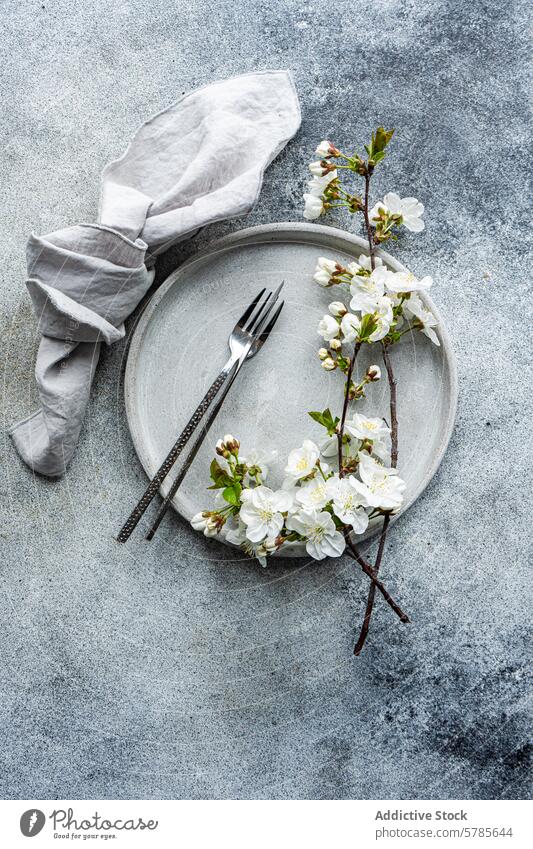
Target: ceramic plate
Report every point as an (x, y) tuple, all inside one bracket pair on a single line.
[(180, 345)]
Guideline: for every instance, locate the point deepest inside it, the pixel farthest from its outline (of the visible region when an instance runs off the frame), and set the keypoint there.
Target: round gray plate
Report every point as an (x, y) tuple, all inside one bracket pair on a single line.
[(180, 345)]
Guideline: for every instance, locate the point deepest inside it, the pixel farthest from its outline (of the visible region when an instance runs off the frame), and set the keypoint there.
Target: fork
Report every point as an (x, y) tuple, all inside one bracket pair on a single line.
[(241, 339), (213, 412)]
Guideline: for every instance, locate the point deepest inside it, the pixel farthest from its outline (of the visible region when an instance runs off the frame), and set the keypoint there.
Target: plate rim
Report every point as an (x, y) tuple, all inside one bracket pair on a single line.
[(262, 232)]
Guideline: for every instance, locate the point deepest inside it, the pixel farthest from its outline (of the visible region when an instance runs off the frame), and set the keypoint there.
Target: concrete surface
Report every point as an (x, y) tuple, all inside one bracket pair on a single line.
[(167, 670)]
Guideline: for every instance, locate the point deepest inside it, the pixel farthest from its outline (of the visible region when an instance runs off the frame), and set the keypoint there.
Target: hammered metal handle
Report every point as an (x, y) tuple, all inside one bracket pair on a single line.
[(172, 456)]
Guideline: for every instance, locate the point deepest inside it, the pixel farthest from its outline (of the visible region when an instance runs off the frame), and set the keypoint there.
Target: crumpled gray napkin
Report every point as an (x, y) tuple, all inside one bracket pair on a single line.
[(199, 161)]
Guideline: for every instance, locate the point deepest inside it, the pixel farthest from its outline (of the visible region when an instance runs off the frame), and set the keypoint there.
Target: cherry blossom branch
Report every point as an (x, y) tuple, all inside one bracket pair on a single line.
[(340, 429), (368, 228), (376, 583), (386, 522), (393, 408), (354, 552)]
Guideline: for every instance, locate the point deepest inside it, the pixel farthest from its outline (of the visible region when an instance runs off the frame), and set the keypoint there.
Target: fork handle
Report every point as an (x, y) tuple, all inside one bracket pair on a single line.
[(174, 453), (213, 412)]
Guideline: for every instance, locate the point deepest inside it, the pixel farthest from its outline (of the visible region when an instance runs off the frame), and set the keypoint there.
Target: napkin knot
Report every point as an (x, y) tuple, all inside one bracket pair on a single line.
[(199, 161)]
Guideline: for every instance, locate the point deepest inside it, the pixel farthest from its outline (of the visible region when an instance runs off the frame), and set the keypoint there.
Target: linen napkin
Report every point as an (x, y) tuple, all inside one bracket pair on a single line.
[(199, 161)]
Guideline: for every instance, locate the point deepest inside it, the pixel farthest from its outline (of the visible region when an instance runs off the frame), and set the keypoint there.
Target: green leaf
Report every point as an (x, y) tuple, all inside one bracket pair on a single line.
[(232, 494), (380, 140), (368, 326), (219, 476), (326, 420), (214, 470)]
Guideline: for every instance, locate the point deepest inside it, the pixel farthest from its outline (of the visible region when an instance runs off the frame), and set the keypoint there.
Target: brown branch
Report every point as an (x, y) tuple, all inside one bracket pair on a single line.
[(340, 429), (386, 521), (368, 227), (367, 568), (376, 583), (393, 408)]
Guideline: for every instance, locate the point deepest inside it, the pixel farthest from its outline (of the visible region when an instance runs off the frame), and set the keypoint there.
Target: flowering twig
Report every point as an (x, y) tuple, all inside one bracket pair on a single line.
[(394, 450), (342, 423), (386, 521), (393, 410), (381, 301), (366, 567), (317, 506), (376, 583), (368, 228)]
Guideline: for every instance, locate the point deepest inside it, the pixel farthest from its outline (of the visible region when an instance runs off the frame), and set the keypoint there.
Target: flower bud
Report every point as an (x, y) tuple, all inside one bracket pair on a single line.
[(232, 444), (329, 364), (221, 449), (212, 527), (325, 149), (337, 308), (373, 373), (199, 521), (336, 344), (320, 169), (322, 353)]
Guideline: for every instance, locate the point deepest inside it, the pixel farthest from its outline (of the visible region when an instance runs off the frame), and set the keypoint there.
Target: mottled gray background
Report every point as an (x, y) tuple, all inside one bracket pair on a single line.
[(167, 670)]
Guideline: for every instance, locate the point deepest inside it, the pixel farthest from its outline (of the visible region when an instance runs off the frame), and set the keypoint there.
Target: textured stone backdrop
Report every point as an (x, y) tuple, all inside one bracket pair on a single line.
[(167, 670)]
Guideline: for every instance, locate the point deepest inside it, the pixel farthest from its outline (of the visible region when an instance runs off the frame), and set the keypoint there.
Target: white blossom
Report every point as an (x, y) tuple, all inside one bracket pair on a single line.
[(337, 308), (383, 315), (261, 512), (261, 551), (404, 281), (328, 364), (207, 524), (373, 373), (364, 427), (301, 461), (350, 326), (373, 429), (366, 263), (313, 207), (366, 291), (325, 269), (414, 306), (260, 457), (291, 486), (313, 495), (379, 486), (325, 149), (199, 521), (348, 503), (410, 209), (318, 528), (314, 201), (318, 185), (353, 268), (317, 169), (328, 328)]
